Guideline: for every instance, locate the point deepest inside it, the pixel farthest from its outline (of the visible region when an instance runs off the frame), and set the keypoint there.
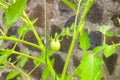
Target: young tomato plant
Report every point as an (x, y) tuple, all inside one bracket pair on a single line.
[(90, 67)]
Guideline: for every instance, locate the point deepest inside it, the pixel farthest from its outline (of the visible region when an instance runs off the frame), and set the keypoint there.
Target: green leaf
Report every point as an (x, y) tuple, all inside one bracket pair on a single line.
[(25, 28), (19, 78), (85, 3), (66, 32), (103, 29), (3, 57), (109, 50), (23, 61), (118, 20), (13, 36), (110, 34), (78, 71), (72, 26), (12, 74), (70, 4), (49, 52), (118, 32), (46, 72), (13, 12), (36, 62), (19, 57), (84, 41), (3, 67), (91, 67), (97, 49)]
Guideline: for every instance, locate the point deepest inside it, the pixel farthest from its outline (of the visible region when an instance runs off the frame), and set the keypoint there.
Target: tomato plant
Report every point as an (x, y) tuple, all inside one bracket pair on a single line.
[(91, 64)]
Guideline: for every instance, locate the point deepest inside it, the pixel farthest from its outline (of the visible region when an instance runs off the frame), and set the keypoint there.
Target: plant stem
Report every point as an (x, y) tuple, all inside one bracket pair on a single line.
[(3, 5), (73, 73), (18, 40), (117, 44), (34, 58), (32, 70), (52, 71), (2, 32), (70, 4), (71, 45), (35, 32), (48, 63), (45, 25), (50, 67), (68, 57), (75, 35), (28, 78), (104, 39), (19, 53)]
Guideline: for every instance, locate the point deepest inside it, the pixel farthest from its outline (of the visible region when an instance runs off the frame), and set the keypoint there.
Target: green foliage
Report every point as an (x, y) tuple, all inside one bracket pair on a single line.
[(12, 74), (84, 41), (118, 20), (85, 3), (3, 67), (91, 63), (3, 4), (118, 32), (66, 32), (91, 67), (43, 57), (97, 50), (1, 42), (46, 72), (25, 28), (13, 36), (23, 61), (19, 78), (3, 56), (104, 29), (13, 12), (109, 50), (36, 62), (110, 34), (70, 4)]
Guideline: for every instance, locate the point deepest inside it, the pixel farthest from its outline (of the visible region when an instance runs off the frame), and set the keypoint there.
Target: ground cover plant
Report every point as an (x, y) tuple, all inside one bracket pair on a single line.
[(90, 67)]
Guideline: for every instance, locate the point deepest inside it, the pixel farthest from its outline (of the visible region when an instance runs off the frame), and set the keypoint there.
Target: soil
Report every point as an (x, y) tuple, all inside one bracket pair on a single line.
[(103, 12)]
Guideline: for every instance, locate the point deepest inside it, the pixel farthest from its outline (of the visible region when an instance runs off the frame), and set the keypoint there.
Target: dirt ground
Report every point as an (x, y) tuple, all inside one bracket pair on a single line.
[(103, 12)]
